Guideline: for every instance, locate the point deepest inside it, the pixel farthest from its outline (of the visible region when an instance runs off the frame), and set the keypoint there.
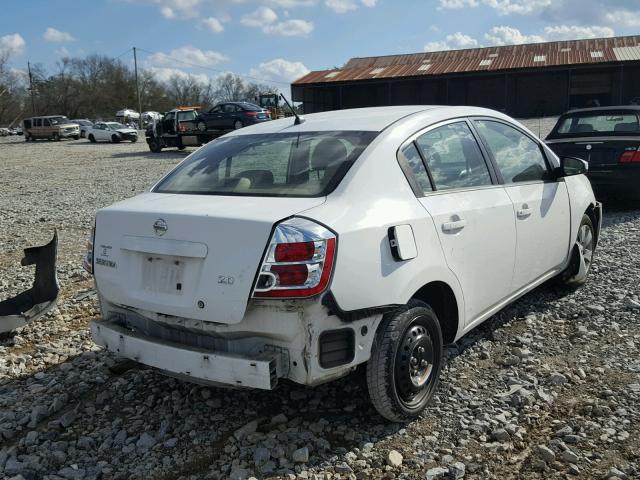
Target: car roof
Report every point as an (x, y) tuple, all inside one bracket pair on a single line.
[(603, 109), (373, 119)]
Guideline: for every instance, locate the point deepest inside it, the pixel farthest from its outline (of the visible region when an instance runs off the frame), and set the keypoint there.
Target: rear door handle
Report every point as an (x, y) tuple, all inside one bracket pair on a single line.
[(454, 225)]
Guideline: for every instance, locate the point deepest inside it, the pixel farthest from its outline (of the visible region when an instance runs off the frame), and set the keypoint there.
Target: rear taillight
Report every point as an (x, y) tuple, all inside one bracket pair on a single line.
[(298, 261), (631, 155), (87, 262), (251, 114)]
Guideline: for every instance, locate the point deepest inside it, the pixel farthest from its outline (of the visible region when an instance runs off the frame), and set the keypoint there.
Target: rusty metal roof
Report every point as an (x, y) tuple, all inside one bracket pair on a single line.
[(534, 55)]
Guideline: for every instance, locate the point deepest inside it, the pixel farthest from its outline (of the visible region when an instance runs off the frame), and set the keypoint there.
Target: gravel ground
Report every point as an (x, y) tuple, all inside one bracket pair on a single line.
[(549, 388)]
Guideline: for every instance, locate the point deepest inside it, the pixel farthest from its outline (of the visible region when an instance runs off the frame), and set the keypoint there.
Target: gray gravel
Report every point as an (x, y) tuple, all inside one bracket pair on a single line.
[(549, 388)]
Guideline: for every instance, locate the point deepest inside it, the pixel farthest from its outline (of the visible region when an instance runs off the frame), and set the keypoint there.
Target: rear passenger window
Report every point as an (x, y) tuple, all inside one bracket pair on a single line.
[(453, 157), (414, 169), (518, 157)]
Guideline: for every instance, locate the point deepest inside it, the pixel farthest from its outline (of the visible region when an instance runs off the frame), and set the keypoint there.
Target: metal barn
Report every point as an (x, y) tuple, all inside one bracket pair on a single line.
[(521, 80)]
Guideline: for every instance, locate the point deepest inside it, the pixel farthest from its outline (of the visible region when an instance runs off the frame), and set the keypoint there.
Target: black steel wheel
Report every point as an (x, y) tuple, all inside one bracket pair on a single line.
[(403, 371)]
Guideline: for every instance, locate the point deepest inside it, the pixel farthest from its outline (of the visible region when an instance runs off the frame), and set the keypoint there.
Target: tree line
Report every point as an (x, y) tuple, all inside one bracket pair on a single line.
[(96, 86)]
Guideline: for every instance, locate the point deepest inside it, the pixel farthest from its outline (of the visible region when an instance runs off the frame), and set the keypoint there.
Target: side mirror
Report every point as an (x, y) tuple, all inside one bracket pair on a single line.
[(570, 166)]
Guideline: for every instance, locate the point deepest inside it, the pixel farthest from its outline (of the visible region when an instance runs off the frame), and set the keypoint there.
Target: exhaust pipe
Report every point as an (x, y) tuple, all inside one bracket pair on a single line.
[(31, 304)]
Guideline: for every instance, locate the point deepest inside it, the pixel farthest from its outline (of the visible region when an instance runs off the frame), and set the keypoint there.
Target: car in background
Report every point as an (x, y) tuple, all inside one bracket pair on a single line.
[(113, 132), (232, 115), (84, 125), (50, 127), (370, 237), (608, 139), (4, 132)]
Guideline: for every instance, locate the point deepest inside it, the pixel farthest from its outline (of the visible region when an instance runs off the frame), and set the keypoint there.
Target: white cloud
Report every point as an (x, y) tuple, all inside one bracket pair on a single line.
[(521, 7), (189, 54), (290, 28), (509, 36), (167, 12), (502, 7), (163, 74), (341, 6), (292, 3), (267, 19), (12, 44), (455, 41), (457, 4), (63, 52), (624, 18), (259, 18), (279, 70), (56, 36), (213, 24), (572, 32), (369, 3)]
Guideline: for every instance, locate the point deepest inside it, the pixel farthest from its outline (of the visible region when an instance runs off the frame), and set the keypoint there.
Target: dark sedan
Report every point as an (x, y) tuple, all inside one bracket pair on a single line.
[(232, 115), (608, 138)]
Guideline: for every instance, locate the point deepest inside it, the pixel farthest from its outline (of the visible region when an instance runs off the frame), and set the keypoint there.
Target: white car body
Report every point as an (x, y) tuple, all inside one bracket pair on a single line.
[(107, 131), (480, 248)]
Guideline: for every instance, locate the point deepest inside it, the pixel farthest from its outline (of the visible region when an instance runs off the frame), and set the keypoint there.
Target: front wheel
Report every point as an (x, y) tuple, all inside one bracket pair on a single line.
[(403, 371), (76, 137), (155, 145), (115, 139), (581, 255), (237, 125), (134, 139)]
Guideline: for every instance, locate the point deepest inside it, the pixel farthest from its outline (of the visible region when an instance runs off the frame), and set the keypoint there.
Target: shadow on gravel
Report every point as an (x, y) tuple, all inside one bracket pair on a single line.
[(153, 156)]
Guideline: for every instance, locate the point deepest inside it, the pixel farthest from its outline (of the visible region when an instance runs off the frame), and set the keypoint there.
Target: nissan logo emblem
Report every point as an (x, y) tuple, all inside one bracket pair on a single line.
[(160, 227)]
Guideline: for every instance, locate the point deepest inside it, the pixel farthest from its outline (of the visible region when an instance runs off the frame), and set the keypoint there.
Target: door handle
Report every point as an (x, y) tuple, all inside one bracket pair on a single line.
[(524, 212), (454, 226)]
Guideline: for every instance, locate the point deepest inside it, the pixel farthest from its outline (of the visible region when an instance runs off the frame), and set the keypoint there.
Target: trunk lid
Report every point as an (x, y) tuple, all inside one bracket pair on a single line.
[(598, 152), (192, 256)]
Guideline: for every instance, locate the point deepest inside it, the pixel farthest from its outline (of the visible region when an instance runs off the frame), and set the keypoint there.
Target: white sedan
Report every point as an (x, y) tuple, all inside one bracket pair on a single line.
[(301, 250), (113, 132)]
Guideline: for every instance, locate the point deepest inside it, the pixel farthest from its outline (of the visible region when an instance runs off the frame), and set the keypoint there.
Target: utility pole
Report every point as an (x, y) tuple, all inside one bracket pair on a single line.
[(135, 64), (33, 101)]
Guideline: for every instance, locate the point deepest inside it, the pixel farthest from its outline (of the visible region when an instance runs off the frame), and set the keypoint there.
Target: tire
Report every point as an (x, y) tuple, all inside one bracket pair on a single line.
[(55, 137), (237, 125), (182, 147), (582, 254), (92, 139), (115, 138), (76, 137), (154, 145), (407, 337), (134, 139), (27, 138)]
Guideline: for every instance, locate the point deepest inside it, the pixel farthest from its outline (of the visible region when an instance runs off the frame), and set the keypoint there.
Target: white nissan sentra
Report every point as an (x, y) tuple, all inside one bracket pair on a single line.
[(301, 250)]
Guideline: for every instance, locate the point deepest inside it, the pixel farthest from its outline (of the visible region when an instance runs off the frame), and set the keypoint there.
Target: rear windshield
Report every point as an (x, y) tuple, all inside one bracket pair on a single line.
[(251, 107), (600, 123), (309, 164)]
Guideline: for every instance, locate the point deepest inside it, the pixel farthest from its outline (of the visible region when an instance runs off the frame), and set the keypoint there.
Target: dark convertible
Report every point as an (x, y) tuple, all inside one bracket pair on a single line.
[(608, 138)]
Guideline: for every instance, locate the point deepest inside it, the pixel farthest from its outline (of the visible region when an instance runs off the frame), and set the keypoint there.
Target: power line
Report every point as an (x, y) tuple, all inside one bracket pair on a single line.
[(190, 64)]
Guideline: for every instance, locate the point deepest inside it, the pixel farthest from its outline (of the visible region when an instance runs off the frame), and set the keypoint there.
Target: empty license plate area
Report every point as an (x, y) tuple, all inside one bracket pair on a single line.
[(163, 274)]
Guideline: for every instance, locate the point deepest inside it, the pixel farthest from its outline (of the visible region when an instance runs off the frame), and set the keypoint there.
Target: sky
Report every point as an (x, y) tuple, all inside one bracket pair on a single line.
[(277, 41)]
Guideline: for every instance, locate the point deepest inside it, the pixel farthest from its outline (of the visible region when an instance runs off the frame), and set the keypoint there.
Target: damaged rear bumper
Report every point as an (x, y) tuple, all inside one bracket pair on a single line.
[(196, 364), (31, 304)]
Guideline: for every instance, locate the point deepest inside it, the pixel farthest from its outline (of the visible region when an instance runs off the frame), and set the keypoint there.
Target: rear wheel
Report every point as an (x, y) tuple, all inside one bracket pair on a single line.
[(402, 373), (581, 256), (92, 139), (237, 125), (55, 137)]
